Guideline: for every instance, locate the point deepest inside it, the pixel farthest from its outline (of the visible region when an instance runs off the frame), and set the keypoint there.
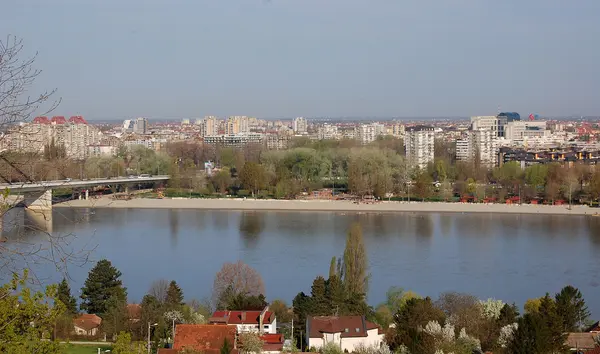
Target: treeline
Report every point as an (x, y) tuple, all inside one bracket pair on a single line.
[(379, 169)]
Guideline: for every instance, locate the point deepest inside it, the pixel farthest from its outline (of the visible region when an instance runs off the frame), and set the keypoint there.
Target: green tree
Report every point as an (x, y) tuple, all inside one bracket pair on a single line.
[(124, 345), (320, 305), (222, 180), (532, 305), (102, 284), (535, 175), (572, 309), (253, 177), (115, 319), (27, 318), (250, 343), (423, 185), (226, 347), (356, 278), (64, 295), (409, 321), (174, 298)]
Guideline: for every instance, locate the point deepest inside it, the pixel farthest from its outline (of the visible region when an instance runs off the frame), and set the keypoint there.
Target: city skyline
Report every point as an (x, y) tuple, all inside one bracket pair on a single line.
[(286, 59)]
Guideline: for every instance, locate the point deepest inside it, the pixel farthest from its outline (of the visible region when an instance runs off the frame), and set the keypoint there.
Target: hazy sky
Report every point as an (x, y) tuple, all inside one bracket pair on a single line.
[(285, 58)]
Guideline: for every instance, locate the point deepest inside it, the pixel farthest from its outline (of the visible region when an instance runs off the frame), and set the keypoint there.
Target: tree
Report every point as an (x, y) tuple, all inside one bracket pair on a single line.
[(102, 284), (356, 278), (331, 348), (115, 319), (174, 298), (27, 318), (423, 185), (532, 305), (123, 345), (253, 177), (237, 278), (222, 180), (64, 295), (320, 304), (250, 343), (226, 347), (416, 314), (159, 289), (282, 312), (572, 309)]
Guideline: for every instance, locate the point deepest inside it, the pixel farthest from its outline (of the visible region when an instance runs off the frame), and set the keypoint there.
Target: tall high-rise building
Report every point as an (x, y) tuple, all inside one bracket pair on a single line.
[(237, 125), (419, 143), (209, 126), (367, 133), (300, 125), (140, 126), (480, 145)]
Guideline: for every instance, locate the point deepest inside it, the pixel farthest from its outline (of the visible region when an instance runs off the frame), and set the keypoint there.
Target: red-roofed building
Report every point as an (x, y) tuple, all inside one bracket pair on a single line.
[(247, 321), (41, 120), (273, 343), (346, 331), (134, 312), (207, 339), (59, 120), (77, 120), (87, 325)]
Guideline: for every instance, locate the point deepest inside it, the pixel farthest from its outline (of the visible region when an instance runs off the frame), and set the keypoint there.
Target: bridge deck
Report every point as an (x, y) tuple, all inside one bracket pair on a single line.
[(39, 186)]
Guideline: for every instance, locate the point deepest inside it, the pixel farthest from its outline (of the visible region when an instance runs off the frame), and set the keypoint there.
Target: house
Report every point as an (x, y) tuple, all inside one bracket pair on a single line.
[(595, 328), (346, 331), (581, 341), (208, 339), (134, 312), (87, 325), (593, 351), (273, 343), (247, 321)]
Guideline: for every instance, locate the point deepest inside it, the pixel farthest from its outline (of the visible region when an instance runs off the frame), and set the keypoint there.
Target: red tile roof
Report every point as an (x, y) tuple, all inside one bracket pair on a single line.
[(41, 120), (241, 317), (77, 120), (272, 342), (205, 338), (87, 321), (581, 340), (593, 351), (167, 351), (59, 120), (348, 326)]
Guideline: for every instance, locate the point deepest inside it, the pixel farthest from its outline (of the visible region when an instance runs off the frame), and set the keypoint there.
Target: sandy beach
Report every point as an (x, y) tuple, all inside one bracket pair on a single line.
[(326, 205)]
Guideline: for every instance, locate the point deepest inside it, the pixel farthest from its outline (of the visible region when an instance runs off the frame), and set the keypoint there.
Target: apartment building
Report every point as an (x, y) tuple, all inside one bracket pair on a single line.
[(521, 131), (419, 144), (234, 140), (75, 134), (479, 144), (367, 133), (278, 142), (327, 132), (237, 125), (140, 126), (300, 126), (209, 126)]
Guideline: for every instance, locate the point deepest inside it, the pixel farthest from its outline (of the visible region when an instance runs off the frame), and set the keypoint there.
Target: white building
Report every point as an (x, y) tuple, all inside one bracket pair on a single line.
[(522, 131), (300, 125), (327, 132), (368, 133), (278, 141), (485, 123), (346, 331), (419, 144), (234, 140), (247, 321), (140, 126), (481, 144), (237, 125)]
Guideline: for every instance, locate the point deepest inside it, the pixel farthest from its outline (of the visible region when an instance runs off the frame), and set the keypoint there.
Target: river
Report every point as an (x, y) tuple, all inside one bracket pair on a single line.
[(504, 256)]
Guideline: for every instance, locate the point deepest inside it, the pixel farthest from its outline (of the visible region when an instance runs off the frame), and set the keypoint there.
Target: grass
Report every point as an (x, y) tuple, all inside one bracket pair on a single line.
[(85, 349)]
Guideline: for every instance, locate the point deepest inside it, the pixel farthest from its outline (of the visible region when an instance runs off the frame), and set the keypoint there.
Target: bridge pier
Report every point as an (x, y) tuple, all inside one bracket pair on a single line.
[(38, 201)]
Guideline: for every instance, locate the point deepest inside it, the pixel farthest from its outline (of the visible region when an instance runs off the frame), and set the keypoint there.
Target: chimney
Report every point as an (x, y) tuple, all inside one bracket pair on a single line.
[(244, 316)]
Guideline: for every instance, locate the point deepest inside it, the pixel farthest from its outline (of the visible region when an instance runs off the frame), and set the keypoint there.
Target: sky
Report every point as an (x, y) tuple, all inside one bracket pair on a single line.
[(115, 59)]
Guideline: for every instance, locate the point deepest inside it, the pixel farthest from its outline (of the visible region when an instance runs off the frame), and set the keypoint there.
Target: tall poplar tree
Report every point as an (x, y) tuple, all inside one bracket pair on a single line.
[(356, 278), (102, 284)]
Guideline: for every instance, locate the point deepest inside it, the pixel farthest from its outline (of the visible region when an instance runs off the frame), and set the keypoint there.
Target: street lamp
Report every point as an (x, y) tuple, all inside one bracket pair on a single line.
[(149, 326)]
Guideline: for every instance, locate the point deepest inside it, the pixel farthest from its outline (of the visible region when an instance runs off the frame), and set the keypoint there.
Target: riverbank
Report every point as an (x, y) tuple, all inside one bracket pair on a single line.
[(326, 205)]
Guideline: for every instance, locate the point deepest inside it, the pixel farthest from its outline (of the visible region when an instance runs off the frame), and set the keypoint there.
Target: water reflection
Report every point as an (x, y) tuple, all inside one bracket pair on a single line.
[(174, 225), (251, 226)]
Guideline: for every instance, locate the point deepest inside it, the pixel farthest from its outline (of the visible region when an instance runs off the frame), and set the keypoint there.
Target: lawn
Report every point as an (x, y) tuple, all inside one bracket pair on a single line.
[(85, 349)]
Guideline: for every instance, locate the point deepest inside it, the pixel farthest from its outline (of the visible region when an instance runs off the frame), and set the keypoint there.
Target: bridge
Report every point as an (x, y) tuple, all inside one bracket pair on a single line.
[(38, 195)]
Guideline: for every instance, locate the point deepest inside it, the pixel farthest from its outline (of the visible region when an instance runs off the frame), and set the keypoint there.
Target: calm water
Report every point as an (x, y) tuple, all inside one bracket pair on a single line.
[(509, 257)]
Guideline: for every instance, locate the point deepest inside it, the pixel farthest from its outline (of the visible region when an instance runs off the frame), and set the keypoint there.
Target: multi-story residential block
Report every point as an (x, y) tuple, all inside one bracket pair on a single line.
[(327, 132), (75, 134), (101, 150), (398, 130), (300, 125), (234, 140), (481, 145), (278, 142), (367, 133), (209, 126), (419, 144), (237, 125)]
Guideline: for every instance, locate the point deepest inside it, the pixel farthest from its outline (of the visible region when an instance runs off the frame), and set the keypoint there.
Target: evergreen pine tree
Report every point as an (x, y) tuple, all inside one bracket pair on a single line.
[(174, 299), (64, 295), (320, 306), (102, 284), (572, 308)]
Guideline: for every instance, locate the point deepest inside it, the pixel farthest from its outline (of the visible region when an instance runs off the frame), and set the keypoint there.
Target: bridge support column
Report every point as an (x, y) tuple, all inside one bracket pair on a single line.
[(87, 194), (38, 200)]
